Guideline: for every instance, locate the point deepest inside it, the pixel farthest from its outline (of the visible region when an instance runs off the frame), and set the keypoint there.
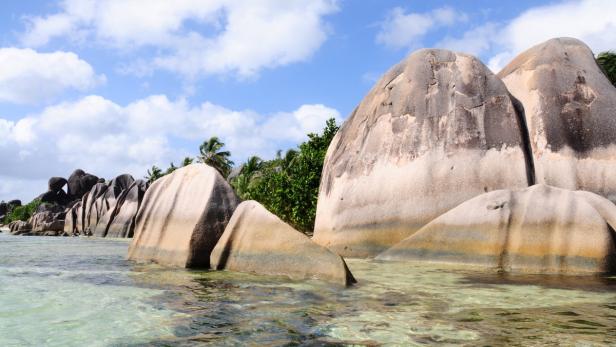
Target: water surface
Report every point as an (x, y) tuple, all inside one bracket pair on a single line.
[(79, 291)]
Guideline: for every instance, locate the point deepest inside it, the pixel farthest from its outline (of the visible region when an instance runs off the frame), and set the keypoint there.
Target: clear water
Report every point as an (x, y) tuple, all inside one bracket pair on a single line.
[(82, 292)]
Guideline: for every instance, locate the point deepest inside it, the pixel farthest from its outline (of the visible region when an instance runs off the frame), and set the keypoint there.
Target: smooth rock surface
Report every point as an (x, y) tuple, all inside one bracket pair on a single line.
[(182, 216), (257, 241), (540, 229), (436, 130), (570, 109)]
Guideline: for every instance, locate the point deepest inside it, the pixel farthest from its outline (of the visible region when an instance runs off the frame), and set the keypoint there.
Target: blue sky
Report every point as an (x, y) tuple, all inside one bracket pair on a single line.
[(117, 86)]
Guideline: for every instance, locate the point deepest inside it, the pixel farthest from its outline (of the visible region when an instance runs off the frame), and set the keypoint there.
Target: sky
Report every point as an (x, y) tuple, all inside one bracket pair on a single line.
[(116, 86)]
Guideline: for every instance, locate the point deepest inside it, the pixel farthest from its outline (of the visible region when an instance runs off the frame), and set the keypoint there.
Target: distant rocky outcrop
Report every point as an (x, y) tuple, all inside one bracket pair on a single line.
[(103, 210), (182, 216), (570, 108), (257, 241), (437, 129), (107, 210), (540, 229)]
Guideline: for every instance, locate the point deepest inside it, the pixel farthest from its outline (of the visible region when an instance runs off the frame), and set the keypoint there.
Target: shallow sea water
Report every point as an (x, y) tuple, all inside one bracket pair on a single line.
[(82, 292)]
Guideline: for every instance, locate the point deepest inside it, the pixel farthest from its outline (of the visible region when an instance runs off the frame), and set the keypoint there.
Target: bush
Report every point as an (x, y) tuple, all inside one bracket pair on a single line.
[(22, 213), (289, 186)]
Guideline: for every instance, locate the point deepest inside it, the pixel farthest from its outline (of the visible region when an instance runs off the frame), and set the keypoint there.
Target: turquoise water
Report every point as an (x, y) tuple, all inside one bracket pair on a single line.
[(82, 292)]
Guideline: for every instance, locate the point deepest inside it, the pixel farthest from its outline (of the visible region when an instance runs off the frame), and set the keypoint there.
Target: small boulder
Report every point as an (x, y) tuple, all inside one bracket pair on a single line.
[(257, 241), (19, 227), (182, 216), (540, 229)]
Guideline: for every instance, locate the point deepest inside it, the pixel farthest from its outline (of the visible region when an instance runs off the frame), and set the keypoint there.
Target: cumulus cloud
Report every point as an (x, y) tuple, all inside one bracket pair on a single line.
[(406, 30), (102, 137), (193, 37), (592, 21), (27, 76)]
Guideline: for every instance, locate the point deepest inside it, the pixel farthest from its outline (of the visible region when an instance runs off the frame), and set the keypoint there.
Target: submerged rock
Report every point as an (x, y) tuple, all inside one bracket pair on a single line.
[(437, 129), (255, 240), (182, 216), (540, 229), (570, 109)]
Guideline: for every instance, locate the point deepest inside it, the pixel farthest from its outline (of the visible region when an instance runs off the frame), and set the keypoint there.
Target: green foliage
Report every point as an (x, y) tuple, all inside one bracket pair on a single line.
[(154, 173), (170, 169), (607, 62), (288, 185), (211, 153), (22, 213), (187, 161)]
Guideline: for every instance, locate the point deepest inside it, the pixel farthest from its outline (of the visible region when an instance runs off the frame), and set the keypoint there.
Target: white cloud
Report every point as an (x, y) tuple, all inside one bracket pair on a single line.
[(592, 21), (27, 76), (406, 30), (108, 139), (194, 37)]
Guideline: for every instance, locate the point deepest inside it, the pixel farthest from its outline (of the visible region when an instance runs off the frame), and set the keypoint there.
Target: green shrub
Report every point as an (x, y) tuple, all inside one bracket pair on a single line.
[(22, 213), (289, 186)]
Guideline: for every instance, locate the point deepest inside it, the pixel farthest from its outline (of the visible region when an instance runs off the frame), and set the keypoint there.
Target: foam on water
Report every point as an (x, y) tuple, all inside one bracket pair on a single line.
[(75, 292)]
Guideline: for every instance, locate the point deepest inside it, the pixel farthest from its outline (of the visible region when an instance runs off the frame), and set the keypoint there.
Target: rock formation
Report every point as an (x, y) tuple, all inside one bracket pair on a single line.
[(257, 241), (107, 210), (79, 183), (433, 132), (540, 229), (570, 109), (182, 216)]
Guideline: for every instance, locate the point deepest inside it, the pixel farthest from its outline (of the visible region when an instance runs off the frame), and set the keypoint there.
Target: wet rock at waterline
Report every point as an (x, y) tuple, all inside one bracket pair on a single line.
[(570, 109), (19, 227), (539, 229), (182, 216), (435, 131), (257, 241)]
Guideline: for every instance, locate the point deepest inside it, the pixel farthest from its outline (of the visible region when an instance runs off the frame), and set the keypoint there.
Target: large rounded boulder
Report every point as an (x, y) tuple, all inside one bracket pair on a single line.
[(257, 241), (437, 129), (540, 229), (570, 109), (79, 183), (182, 216)]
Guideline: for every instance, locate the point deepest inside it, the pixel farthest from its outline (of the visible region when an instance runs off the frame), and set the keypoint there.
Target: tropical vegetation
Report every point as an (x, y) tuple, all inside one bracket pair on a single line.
[(211, 153), (288, 185), (607, 61), (23, 212)]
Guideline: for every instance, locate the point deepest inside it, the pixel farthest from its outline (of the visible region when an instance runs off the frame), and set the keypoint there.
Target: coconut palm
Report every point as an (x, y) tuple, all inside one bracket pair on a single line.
[(607, 61), (187, 161), (171, 168), (211, 153), (153, 174)]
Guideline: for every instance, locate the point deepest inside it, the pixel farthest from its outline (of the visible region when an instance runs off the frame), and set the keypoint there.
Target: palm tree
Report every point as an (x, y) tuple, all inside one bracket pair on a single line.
[(153, 174), (252, 166), (607, 62), (171, 168), (187, 161), (211, 153), (246, 175)]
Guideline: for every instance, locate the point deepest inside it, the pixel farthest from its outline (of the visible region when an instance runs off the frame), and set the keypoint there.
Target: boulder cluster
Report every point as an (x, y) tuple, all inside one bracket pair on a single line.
[(442, 161), (445, 161), (193, 218), (88, 206)]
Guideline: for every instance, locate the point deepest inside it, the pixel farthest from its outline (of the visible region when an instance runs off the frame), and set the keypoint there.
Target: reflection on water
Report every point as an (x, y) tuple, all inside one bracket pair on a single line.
[(62, 292)]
